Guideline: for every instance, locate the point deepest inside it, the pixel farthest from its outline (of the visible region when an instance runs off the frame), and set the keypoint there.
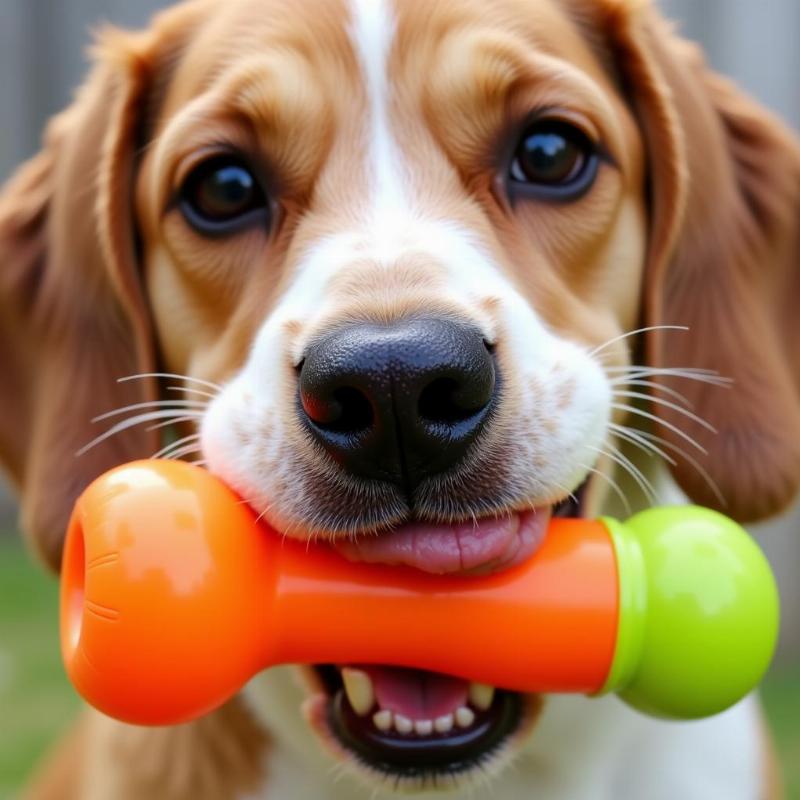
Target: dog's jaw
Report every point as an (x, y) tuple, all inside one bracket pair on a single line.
[(291, 695), (609, 746)]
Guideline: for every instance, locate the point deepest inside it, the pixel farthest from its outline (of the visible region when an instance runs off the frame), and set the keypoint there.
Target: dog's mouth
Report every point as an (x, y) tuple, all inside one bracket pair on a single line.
[(420, 727), (474, 546), (412, 723)]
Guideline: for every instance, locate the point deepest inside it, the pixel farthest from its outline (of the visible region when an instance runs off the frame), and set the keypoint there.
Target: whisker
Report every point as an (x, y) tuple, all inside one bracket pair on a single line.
[(633, 436), (633, 333), (264, 512), (623, 466), (664, 423), (188, 418), (659, 401), (708, 380), (637, 475), (691, 460), (176, 405), (700, 375), (568, 495), (244, 501), (187, 450), (124, 425), (192, 391), (175, 445), (613, 484), (689, 370), (169, 375), (657, 387)]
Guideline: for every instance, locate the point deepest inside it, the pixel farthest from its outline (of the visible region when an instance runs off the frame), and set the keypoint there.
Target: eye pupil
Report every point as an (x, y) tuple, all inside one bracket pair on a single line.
[(221, 196), (549, 158), (554, 156), (226, 191)]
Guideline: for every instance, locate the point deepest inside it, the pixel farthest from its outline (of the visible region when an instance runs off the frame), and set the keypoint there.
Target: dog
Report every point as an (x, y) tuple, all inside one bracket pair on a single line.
[(411, 276)]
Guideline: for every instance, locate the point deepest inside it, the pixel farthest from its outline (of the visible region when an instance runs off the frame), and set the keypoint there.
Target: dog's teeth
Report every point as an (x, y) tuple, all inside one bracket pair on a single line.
[(443, 724), (383, 720), (424, 727), (481, 695), (358, 686), (403, 724), (464, 717)]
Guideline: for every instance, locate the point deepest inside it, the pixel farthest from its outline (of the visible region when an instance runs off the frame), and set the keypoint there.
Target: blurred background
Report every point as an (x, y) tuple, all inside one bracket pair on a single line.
[(42, 44)]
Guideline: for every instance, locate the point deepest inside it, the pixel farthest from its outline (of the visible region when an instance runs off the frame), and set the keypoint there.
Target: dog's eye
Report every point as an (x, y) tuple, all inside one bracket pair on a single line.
[(222, 196), (553, 159)]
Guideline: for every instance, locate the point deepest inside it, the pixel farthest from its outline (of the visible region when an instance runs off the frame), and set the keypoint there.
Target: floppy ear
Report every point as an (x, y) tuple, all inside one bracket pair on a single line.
[(72, 312), (724, 260)]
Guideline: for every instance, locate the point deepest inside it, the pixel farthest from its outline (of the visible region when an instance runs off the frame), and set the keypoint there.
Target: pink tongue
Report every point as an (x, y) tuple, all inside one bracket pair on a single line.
[(415, 693), (485, 545)]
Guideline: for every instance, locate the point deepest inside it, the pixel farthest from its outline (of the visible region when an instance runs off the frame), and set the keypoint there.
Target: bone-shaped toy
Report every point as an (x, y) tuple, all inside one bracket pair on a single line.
[(173, 596)]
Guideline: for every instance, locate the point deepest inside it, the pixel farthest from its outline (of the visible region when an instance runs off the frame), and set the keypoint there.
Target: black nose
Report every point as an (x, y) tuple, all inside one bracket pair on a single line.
[(398, 402)]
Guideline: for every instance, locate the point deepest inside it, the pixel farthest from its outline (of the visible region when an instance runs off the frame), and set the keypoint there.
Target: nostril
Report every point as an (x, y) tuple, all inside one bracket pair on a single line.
[(437, 402), (444, 401), (346, 410), (398, 402)]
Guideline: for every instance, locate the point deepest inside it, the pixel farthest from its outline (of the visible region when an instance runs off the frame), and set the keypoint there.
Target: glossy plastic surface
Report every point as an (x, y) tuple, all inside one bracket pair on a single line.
[(700, 612), (172, 598)]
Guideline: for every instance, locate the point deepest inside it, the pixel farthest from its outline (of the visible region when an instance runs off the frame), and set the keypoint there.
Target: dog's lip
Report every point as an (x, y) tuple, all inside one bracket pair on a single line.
[(473, 547)]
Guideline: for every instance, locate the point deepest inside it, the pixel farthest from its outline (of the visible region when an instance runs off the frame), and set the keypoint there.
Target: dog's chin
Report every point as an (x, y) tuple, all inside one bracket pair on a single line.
[(415, 730)]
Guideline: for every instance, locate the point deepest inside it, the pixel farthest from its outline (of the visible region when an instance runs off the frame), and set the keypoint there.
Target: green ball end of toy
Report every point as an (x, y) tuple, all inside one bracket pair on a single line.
[(699, 612)]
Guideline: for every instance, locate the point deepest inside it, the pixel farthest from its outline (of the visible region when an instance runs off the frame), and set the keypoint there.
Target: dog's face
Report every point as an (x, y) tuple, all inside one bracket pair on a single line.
[(397, 247), (394, 237)]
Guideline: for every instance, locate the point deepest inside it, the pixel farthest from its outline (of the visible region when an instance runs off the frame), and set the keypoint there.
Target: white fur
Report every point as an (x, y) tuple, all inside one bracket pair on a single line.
[(372, 31)]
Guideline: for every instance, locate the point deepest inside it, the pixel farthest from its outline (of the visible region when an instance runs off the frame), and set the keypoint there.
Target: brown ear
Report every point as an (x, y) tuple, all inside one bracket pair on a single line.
[(724, 261), (72, 314)]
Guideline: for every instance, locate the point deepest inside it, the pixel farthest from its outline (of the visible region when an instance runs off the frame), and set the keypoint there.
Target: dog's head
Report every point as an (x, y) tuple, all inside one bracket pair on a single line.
[(397, 248)]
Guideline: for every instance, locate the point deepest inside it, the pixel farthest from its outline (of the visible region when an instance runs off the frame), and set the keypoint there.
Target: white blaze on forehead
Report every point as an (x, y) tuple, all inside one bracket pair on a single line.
[(372, 34)]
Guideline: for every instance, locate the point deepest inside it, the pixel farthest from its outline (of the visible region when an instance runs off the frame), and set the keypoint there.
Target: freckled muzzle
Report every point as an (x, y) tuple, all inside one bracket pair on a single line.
[(398, 402)]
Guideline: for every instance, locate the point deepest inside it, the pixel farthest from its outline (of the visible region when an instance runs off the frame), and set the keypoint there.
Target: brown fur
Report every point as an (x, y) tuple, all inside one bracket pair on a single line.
[(90, 290), (220, 756), (724, 258)]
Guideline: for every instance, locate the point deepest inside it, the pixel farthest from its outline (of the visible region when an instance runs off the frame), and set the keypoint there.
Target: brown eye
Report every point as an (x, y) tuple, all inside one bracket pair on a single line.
[(222, 196), (554, 159)]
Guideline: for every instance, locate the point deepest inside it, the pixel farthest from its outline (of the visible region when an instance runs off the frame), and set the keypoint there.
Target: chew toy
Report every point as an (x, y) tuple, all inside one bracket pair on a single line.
[(173, 596)]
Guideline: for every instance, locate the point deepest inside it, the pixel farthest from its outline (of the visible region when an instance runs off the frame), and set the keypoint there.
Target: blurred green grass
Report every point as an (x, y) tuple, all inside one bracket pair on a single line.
[(37, 703)]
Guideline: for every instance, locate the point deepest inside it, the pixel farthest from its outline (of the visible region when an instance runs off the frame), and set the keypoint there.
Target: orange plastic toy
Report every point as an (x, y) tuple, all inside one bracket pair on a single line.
[(173, 597)]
